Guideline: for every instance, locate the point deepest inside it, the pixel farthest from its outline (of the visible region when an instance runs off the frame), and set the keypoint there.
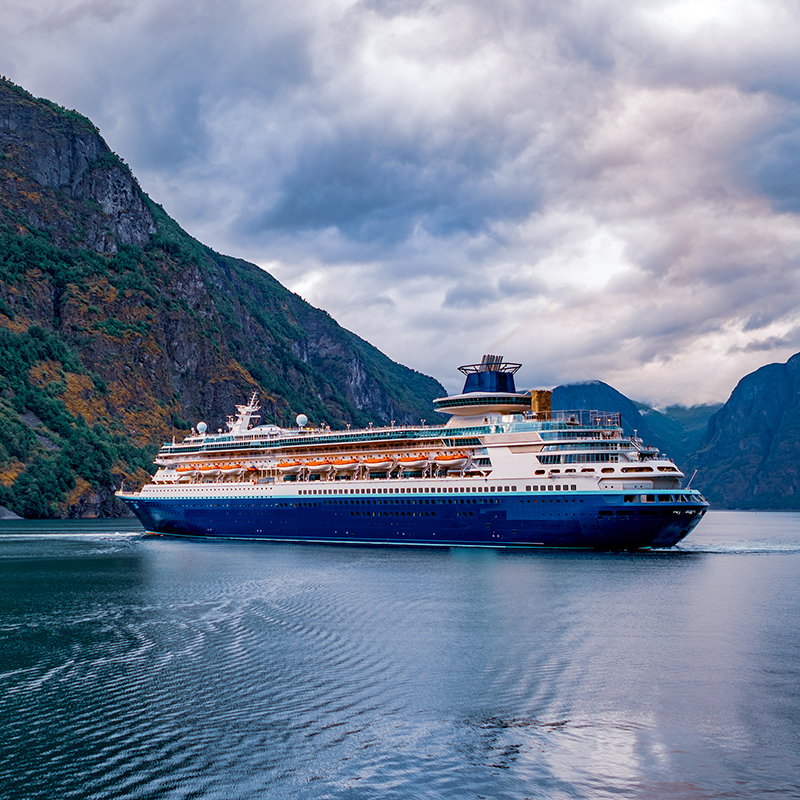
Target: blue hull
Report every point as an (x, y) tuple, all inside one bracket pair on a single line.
[(576, 520)]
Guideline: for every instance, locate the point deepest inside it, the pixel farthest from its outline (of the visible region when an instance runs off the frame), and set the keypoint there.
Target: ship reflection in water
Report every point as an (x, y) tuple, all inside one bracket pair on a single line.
[(142, 667)]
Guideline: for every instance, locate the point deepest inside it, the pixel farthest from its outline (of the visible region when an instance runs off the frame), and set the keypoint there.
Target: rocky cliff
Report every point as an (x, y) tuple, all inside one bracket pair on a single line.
[(117, 328), (748, 457)]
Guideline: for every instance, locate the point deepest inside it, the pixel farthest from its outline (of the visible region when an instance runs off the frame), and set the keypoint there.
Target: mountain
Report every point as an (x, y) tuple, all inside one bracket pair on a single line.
[(117, 328), (676, 431), (748, 456)]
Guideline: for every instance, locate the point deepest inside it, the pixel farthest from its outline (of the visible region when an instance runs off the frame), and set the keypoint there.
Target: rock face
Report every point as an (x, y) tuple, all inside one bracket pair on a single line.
[(117, 329), (60, 176), (748, 457)]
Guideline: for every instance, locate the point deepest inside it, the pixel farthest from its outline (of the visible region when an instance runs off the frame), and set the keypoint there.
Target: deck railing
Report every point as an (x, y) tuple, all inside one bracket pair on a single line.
[(580, 417)]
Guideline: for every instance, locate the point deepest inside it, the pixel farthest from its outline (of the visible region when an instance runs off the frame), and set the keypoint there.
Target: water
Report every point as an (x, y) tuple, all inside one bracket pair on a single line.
[(136, 667)]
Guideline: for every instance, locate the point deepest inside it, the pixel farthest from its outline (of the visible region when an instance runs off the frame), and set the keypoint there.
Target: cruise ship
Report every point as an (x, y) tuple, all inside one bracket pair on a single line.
[(504, 471)]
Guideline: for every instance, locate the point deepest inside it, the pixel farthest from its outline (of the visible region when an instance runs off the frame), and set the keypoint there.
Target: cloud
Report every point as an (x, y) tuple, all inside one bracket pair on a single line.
[(601, 191)]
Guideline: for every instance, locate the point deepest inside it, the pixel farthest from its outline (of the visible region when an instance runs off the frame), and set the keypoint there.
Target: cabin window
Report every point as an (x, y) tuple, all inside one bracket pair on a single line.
[(550, 488)]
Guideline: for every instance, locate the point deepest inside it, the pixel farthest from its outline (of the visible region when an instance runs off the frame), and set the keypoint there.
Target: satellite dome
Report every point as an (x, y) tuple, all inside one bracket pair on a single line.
[(301, 420), (201, 428)]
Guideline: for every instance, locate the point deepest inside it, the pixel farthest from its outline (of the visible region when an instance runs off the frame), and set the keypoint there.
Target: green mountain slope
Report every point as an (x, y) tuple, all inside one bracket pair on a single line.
[(117, 328)]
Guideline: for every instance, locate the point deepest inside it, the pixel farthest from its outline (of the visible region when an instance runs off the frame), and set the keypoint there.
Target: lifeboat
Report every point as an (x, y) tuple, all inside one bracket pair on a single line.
[(188, 469), (418, 461), (378, 463), (209, 471), (451, 460), (318, 467), (345, 464), (231, 469), (289, 467)]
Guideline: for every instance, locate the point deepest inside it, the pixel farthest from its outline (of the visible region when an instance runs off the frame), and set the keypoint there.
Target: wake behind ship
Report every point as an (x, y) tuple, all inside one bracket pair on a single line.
[(504, 471)]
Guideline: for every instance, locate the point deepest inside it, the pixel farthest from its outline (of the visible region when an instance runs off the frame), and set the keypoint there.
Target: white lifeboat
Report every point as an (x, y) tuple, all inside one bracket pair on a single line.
[(316, 467), (379, 463), (289, 467), (209, 471), (451, 460), (418, 461), (345, 464), (232, 469)]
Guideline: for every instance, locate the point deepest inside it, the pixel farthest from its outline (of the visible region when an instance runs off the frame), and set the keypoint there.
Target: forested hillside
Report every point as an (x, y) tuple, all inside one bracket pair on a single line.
[(118, 329)]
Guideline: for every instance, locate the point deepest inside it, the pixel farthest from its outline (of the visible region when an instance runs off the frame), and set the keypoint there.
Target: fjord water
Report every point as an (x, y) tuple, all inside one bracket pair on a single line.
[(139, 667)]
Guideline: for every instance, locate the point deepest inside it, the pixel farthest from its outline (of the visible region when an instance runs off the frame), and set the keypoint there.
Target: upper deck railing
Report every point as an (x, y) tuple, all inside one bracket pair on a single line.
[(580, 418)]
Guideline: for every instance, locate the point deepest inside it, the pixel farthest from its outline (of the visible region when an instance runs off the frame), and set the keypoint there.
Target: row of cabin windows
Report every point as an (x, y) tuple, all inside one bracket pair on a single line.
[(421, 490), (551, 488), (580, 458)]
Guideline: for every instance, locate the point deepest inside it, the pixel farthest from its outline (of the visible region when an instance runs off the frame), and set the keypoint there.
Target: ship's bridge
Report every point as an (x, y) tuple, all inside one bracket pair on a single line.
[(488, 389)]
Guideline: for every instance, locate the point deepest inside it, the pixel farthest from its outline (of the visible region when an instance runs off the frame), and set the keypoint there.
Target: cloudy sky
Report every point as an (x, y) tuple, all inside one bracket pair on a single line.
[(598, 189)]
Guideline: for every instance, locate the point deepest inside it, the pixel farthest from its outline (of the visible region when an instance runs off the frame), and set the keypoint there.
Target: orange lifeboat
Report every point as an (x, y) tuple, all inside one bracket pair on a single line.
[(345, 464), (187, 469), (451, 460), (231, 469), (418, 461), (289, 467), (317, 467), (378, 463), (209, 470)]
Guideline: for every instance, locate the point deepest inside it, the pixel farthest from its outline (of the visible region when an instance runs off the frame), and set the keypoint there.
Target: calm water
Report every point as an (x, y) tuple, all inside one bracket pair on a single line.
[(134, 667)]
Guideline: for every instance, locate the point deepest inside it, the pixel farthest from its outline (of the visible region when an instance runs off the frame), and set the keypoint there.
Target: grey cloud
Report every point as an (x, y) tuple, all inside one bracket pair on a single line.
[(468, 171), (774, 165), (371, 187)]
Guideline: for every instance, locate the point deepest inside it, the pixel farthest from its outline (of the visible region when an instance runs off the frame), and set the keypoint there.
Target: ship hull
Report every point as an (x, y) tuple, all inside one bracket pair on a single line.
[(580, 520)]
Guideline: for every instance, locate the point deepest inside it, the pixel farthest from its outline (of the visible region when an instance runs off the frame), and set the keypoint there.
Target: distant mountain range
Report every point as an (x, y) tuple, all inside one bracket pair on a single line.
[(748, 455), (745, 452), (117, 328), (676, 431)]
